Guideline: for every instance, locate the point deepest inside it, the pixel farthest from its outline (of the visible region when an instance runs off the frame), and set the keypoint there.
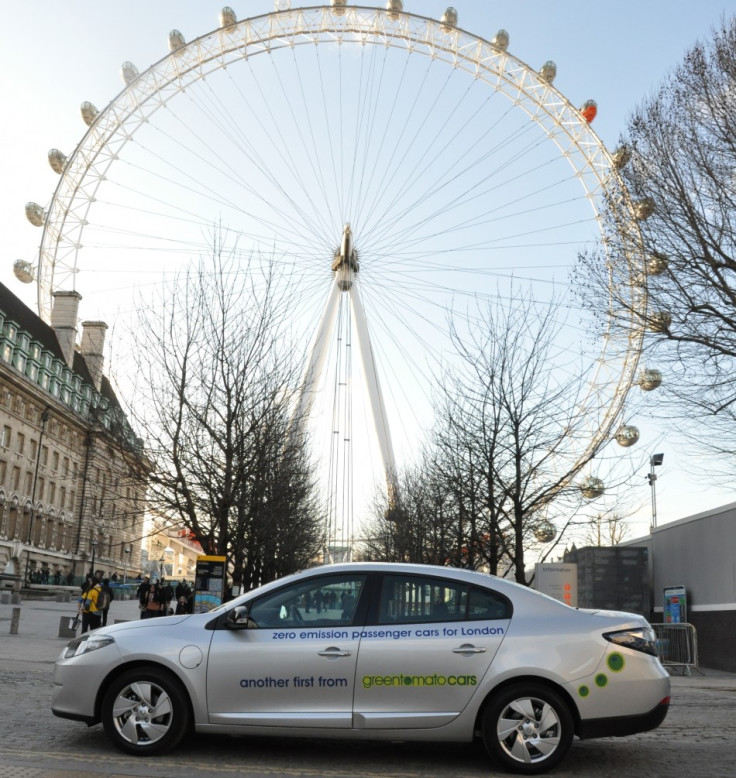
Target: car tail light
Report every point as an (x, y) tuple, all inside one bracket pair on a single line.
[(639, 639)]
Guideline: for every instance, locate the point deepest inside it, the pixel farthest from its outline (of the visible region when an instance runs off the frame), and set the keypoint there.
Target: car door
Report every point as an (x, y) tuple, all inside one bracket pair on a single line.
[(426, 650), (296, 666)]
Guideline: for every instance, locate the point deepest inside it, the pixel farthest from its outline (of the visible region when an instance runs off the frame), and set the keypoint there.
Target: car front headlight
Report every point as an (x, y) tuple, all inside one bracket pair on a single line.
[(85, 644), (639, 639)]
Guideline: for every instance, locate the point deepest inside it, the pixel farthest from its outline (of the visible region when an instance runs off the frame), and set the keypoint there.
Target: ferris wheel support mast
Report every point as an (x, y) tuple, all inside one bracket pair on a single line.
[(345, 268)]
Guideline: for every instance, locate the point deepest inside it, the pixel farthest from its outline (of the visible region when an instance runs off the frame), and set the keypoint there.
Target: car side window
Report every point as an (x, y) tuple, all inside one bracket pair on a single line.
[(326, 601), (486, 604), (407, 599)]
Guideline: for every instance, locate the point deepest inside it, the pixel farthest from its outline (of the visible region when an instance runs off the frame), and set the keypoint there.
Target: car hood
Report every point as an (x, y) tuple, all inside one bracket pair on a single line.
[(160, 621)]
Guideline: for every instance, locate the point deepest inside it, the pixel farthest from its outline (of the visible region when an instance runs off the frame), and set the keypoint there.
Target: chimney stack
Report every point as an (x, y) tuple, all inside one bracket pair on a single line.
[(93, 342), (64, 322)]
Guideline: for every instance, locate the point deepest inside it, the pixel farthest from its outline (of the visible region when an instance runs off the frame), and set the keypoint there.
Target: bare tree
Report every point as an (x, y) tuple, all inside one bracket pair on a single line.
[(420, 527), (509, 439), (606, 529), (218, 369), (682, 142)]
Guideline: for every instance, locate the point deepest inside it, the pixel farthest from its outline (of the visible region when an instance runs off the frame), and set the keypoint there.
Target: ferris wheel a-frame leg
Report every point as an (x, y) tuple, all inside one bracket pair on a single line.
[(314, 372), (317, 356), (378, 409)]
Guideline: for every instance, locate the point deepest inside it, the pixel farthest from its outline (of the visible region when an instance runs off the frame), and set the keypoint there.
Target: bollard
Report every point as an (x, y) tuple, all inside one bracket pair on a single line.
[(65, 628), (14, 620)]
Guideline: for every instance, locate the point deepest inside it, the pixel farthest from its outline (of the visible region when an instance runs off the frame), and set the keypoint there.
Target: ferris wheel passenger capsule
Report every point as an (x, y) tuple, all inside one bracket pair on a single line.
[(129, 72), (35, 214), (449, 19), (176, 40), (592, 487), (621, 157), (501, 40), (338, 6), (227, 17), (89, 113), (627, 435), (282, 5), (394, 8), (57, 160), (643, 209), (657, 263), (24, 271), (545, 531), (589, 110), (650, 379), (548, 71), (660, 321)]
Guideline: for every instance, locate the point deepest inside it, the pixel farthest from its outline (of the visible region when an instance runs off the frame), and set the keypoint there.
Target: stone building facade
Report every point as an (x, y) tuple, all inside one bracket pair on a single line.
[(72, 473)]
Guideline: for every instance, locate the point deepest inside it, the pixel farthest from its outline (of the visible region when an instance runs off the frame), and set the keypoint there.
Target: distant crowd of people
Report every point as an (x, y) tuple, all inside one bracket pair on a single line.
[(156, 598), (160, 598)]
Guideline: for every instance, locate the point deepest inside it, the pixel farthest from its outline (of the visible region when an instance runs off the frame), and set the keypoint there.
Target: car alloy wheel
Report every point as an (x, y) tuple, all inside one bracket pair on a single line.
[(146, 711), (528, 728)]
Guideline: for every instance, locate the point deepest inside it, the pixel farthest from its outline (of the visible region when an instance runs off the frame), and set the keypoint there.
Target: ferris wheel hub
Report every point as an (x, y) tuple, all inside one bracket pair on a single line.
[(345, 263)]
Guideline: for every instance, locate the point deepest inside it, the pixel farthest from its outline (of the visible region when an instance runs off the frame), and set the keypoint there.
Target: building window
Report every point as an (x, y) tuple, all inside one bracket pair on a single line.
[(44, 455), (55, 462), (20, 443), (5, 438), (16, 479), (29, 482)]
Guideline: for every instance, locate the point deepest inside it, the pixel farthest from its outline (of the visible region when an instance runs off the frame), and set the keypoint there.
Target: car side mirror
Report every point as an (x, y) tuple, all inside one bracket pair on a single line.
[(239, 618)]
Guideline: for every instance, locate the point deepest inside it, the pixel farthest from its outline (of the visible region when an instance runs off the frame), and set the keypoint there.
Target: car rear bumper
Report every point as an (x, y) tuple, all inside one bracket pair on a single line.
[(620, 726)]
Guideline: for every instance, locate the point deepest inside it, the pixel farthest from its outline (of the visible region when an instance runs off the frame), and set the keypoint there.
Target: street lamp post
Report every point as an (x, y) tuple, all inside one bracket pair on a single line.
[(94, 551), (126, 551), (32, 516), (654, 461)]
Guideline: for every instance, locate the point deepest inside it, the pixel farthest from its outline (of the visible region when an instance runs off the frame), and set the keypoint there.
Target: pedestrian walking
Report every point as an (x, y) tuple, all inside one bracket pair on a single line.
[(105, 597), (91, 616)]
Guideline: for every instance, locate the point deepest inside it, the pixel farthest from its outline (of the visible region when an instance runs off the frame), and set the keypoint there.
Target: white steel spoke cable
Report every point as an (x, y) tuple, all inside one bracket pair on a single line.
[(390, 170), (311, 154), (464, 197), (264, 165), (383, 144), (371, 122)]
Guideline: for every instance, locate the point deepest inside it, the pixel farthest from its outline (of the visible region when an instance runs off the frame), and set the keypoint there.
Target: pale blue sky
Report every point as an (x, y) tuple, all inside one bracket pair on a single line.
[(55, 55)]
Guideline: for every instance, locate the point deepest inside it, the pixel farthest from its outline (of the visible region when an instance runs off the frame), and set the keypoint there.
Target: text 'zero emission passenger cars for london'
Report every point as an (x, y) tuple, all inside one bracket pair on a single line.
[(373, 651)]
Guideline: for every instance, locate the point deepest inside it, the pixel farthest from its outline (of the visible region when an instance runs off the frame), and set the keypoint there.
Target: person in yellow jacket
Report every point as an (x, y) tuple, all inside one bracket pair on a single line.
[(88, 605)]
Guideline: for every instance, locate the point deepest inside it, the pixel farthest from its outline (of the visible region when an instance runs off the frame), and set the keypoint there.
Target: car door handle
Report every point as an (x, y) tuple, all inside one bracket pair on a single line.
[(334, 652), (466, 648)]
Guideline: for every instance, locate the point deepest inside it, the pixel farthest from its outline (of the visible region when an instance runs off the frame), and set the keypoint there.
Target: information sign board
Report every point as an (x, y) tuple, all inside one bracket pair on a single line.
[(558, 580), (675, 605), (209, 583)]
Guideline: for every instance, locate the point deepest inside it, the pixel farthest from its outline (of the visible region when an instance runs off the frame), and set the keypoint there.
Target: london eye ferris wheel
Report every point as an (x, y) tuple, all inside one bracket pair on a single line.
[(397, 172)]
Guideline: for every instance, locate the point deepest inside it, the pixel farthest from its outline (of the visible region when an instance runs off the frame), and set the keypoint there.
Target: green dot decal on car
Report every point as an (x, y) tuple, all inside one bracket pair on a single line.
[(616, 662), (601, 680), (584, 691)]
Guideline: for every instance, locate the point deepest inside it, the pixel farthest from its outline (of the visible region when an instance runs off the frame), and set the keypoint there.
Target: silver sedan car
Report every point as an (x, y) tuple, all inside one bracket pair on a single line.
[(381, 651)]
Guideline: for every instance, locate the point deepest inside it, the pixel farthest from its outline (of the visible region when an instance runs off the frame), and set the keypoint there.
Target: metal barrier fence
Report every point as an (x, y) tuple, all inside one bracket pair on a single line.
[(677, 646)]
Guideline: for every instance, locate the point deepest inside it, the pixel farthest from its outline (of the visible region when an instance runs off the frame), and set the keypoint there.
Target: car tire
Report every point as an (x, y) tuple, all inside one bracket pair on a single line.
[(528, 728), (145, 711)]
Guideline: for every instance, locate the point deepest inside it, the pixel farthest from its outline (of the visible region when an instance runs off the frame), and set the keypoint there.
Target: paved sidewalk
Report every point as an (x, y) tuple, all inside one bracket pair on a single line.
[(38, 628)]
